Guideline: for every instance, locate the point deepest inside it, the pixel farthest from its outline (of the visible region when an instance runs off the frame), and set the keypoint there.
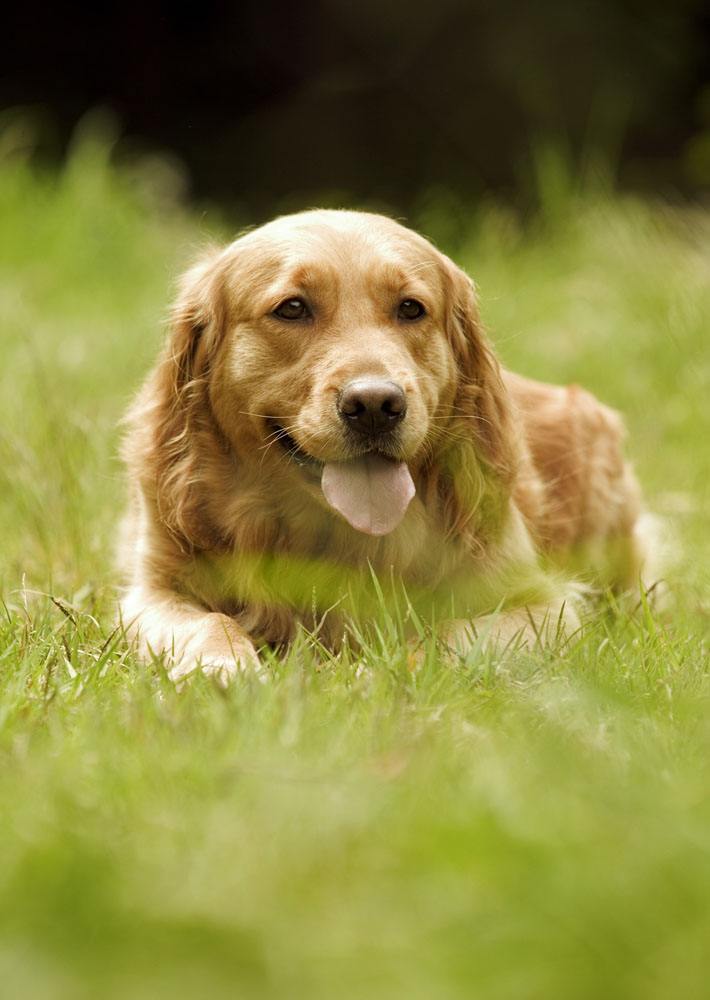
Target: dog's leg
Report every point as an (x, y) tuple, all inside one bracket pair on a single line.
[(190, 637), (529, 627)]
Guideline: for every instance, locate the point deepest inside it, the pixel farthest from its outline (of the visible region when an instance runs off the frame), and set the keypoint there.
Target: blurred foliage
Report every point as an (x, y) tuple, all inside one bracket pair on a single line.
[(272, 106)]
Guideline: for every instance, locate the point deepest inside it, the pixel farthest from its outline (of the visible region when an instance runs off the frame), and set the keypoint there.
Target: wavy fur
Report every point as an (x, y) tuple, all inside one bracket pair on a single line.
[(226, 534)]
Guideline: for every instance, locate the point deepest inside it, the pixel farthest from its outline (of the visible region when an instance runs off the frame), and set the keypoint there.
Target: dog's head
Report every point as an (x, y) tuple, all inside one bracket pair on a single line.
[(336, 351)]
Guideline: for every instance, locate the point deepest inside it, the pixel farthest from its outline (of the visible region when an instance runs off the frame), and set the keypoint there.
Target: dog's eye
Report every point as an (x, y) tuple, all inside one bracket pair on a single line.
[(292, 309), (410, 309)]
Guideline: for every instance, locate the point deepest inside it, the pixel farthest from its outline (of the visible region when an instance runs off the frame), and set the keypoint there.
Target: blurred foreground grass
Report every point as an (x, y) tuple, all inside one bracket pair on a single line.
[(531, 829)]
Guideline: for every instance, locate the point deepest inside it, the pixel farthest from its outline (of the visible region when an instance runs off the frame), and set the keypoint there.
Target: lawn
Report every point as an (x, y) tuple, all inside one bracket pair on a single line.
[(537, 827)]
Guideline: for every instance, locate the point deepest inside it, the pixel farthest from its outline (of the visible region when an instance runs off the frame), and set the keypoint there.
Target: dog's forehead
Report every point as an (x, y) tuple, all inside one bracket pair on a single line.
[(313, 247)]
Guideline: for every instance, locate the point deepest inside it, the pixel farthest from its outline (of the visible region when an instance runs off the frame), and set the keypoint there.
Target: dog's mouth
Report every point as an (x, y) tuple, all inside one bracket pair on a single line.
[(371, 488), (385, 445), (293, 449)]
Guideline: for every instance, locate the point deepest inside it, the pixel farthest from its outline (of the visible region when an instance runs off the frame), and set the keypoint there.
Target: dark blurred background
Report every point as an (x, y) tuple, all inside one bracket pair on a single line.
[(281, 104)]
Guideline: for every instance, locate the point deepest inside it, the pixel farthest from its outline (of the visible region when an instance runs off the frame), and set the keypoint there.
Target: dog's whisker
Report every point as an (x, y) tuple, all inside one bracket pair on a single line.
[(265, 416), (276, 435)]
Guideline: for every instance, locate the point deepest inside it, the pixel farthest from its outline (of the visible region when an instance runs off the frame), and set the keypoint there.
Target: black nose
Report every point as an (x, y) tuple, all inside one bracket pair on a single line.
[(372, 405)]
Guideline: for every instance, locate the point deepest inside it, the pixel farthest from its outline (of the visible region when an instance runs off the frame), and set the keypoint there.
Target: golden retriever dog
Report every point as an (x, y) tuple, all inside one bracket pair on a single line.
[(327, 412)]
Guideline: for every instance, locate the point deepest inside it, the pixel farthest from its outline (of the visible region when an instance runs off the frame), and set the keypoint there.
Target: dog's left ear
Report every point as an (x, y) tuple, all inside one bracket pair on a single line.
[(482, 398), (477, 471)]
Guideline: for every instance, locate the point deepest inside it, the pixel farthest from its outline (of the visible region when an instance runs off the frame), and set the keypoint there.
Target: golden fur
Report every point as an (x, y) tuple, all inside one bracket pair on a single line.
[(521, 487)]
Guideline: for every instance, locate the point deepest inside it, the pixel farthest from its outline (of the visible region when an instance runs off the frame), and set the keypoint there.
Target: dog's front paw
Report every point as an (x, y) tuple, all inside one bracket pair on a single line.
[(223, 660)]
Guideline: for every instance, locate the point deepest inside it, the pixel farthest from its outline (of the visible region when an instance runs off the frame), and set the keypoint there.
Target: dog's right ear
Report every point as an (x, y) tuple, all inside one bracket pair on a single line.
[(170, 423), (196, 322)]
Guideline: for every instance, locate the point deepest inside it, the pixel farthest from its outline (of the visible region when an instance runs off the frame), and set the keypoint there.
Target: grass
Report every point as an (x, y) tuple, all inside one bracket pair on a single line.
[(537, 828)]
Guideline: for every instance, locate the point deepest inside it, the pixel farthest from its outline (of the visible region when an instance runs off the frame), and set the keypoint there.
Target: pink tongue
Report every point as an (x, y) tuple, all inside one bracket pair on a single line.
[(371, 492)]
